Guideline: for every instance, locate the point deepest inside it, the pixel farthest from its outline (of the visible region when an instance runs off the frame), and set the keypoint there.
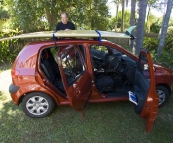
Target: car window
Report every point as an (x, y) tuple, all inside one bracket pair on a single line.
[(115, 51), (100, 48), (72, 64), (82, 50), (105, 49), (54, 51)]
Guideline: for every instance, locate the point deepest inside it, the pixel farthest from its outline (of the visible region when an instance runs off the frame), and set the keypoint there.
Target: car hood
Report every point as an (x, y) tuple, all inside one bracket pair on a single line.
[(162, 69)]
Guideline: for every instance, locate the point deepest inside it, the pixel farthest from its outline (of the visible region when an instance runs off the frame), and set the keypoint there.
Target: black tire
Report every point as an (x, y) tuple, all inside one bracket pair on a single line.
[(37, 104), (163, 95)]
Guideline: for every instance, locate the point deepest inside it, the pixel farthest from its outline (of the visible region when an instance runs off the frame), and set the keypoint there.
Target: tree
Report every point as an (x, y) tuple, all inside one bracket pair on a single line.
[(126, 20), (140, 25), (92, 14), (122, 20), (3, 12), (155, 26), (4, 16), (151, 3), (164, 27), (151, 20), (133, 9), (132, 20), (117, 3), (36, 15)]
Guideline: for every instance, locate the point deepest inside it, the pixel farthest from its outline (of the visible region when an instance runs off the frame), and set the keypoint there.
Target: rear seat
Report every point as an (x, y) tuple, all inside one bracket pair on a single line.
[(51, 70)]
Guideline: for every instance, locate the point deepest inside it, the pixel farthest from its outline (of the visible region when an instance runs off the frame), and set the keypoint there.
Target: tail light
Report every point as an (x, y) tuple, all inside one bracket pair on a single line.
[(14, 73)]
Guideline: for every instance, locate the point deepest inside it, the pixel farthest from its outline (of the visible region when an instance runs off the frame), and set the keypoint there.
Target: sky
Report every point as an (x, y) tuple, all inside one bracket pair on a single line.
[(112, 10)]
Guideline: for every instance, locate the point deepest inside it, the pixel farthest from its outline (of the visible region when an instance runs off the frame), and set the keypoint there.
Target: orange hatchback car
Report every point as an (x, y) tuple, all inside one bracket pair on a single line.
[(78, 71)]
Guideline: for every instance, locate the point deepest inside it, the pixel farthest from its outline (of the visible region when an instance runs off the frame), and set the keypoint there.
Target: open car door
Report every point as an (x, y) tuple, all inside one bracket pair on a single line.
[(144, 90), (75, 77)]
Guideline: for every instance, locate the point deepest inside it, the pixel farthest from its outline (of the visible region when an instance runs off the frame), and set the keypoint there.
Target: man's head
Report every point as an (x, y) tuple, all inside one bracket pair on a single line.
[(64, 17)]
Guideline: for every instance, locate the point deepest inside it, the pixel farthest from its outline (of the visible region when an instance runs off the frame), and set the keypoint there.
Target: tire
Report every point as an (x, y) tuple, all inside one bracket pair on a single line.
[(37, 104), (163, 94)]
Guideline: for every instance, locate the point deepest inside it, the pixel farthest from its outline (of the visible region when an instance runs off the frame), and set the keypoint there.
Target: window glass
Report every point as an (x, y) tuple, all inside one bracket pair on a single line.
[(73, 65), (99, 48), (82, 50), (104, 49)]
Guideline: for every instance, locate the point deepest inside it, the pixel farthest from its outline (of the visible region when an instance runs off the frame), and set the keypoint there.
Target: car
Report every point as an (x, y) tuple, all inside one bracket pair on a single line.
[(77, 71)]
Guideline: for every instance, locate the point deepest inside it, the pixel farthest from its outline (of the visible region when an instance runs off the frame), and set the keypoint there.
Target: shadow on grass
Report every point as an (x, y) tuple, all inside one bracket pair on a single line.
[(6, 66), (103, 122)]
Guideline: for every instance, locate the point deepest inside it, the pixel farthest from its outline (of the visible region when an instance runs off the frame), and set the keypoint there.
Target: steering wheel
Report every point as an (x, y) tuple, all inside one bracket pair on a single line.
[(114, 63)]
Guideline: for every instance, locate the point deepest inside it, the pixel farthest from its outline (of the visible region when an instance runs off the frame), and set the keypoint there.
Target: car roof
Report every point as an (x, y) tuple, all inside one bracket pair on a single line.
[(71, 40)]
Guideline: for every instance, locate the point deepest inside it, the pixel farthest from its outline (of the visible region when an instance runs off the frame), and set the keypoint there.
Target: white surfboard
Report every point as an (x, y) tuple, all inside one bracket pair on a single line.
[(73, 33)]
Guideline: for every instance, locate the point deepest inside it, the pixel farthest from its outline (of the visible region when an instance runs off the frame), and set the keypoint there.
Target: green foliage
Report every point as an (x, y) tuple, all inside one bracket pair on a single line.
[(171, 21), (126, 20), (151, 44), (3, 14), (91, 14), (153, 24), (26, 15), (9, 49), (166, 57), (155, 27), (167, 52), (37, 15)]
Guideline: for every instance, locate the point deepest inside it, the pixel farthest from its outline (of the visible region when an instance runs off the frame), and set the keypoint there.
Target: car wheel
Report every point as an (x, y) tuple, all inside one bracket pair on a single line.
[(163, 94), (37, 104)]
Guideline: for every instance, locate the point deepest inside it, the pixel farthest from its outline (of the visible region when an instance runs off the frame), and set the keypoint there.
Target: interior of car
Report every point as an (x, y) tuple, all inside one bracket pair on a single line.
[(50, 68), (114, 72), (72, 63)]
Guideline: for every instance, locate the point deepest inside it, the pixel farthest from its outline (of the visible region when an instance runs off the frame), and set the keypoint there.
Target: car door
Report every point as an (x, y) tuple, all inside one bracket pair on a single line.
[(75, 77), (144, 90)]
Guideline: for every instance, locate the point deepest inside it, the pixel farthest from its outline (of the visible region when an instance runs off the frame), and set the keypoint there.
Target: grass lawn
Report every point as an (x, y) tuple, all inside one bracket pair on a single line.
[(103, 123)]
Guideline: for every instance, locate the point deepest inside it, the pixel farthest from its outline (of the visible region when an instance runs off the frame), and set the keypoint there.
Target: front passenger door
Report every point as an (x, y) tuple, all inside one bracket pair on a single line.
[(144, 90)]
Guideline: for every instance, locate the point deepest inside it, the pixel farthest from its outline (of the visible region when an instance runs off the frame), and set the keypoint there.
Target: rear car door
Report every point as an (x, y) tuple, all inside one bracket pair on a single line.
[(144, 90), (75, 77)]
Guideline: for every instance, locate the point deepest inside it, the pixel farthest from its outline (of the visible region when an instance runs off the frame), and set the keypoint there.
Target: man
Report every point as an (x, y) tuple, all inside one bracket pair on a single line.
[(64, 24)]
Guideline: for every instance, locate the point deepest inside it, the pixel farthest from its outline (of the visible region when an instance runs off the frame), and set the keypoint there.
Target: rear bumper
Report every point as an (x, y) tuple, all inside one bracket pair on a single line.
[(13, 89)]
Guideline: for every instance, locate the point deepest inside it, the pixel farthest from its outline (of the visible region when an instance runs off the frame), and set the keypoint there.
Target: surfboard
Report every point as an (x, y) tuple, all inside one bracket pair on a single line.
[(74, 33)]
